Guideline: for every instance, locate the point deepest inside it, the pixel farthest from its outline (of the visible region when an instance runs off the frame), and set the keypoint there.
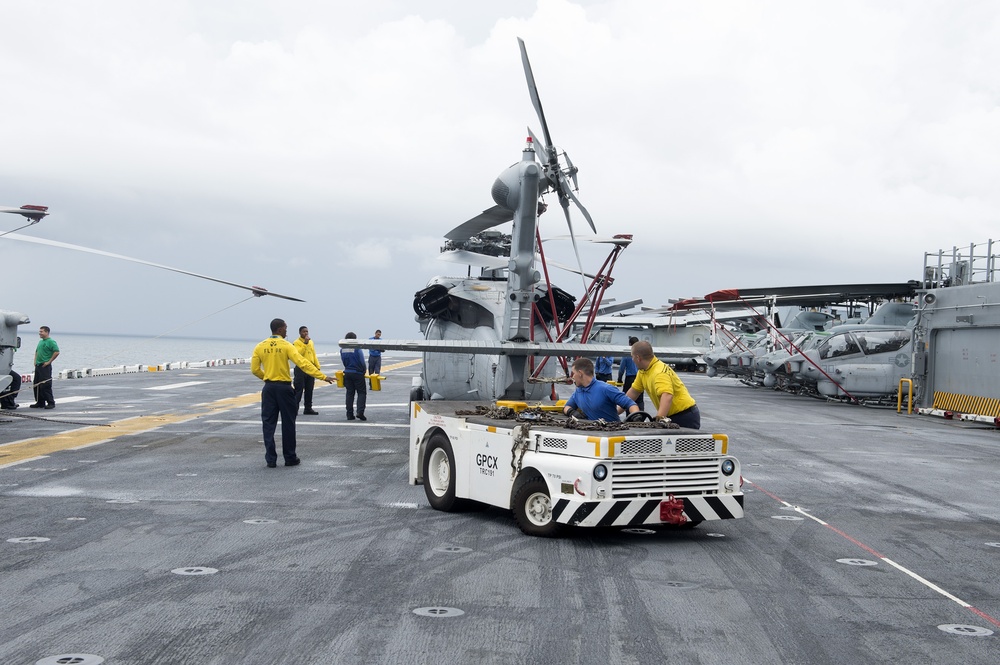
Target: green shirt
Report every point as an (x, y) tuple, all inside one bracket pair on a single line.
[(45, 350)]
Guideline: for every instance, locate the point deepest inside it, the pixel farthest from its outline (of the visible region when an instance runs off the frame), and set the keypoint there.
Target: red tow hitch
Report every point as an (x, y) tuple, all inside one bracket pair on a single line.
[(672, 511)]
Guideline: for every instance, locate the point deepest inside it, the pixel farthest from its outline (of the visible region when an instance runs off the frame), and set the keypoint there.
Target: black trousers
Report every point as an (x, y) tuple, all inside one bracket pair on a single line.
[(355, 383), (42, 385), (626, 384), (7, 399), (278, 399), (689, 418), (304, 385), (374, 364)]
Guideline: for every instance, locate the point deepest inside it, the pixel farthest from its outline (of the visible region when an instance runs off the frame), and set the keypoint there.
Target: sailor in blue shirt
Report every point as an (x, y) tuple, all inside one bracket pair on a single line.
[(597, 400), (602, 368), (354, 379), (627, 372)]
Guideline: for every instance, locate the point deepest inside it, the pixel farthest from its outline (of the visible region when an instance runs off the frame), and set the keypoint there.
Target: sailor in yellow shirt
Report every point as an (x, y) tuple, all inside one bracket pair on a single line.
[(665, 389), (270, 364), (302, 382)]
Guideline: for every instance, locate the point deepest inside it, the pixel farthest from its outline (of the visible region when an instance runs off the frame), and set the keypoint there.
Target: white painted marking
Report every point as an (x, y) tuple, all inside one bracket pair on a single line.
[(75, 398), (927, 583), (918, 578), (177, 385), (88, 445), (24, 461), (340, 405), (50, 492), (299, 423)]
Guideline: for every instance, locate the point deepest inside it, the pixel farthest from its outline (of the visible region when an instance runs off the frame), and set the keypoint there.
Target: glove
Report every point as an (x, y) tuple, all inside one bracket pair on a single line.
[(664, 422), (578, 414)]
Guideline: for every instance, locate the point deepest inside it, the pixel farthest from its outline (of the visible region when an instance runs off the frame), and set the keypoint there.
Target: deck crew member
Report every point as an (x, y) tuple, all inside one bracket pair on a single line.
[(302, 382), (354, 379), (627, 371), (375, 356), (270, 364), (597, 399), (602, 368), (45, 354), (667, 393)]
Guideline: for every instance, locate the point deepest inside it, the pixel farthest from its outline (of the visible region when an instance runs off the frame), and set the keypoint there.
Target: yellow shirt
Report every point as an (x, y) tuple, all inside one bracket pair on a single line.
[(307, 350), (270, 360), (659, 378)]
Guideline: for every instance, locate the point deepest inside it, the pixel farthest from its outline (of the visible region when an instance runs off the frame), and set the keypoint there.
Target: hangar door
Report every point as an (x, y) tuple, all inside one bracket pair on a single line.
[(965, 370)]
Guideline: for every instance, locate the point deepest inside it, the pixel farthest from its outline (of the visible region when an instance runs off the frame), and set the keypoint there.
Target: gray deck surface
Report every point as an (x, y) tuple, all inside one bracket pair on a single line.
[(328, 561)]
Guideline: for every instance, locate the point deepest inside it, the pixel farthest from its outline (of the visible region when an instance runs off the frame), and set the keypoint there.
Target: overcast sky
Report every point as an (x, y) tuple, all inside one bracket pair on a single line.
[(323, 149)]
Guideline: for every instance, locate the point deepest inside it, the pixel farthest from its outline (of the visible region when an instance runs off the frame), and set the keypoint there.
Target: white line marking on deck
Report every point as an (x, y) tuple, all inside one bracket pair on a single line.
[(177, 385)]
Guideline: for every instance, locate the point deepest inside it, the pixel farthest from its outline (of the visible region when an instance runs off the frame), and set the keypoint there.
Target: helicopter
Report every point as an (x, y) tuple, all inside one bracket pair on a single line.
[(850, 360), (857, 360), (483, 334)]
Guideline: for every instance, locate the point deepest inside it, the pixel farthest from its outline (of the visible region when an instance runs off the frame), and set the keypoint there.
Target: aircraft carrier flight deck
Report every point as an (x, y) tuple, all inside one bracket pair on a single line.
[(141, 525)]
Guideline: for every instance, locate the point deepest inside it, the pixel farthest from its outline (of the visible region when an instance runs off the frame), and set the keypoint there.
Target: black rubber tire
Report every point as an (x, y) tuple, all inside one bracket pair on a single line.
[(416, 394), (439, 459), (691, 524), (533, 509)]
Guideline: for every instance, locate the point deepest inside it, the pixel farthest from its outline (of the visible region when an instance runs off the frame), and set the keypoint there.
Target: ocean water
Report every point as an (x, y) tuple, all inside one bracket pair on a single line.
[(79, 351)]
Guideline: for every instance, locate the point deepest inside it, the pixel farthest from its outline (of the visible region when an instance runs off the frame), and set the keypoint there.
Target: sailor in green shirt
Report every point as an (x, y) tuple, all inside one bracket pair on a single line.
[(45, 353)]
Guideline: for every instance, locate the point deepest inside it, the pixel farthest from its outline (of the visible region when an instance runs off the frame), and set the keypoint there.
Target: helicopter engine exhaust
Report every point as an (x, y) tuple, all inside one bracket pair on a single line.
[(431, 302)]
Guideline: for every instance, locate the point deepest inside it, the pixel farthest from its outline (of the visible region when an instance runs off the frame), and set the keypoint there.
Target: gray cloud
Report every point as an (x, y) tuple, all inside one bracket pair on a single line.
[(322, 149)]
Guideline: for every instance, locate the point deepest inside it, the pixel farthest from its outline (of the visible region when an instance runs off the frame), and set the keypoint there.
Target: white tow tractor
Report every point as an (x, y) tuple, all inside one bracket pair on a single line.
[(551, 475)]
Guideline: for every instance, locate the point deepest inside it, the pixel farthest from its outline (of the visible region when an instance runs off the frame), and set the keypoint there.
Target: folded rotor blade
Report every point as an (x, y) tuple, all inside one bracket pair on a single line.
[(533, 91), (576, 250), (468, 258), (572, 170), (485, 220), (540, 148), (256, 290), (561, 266), (568, 191), (607, 241)]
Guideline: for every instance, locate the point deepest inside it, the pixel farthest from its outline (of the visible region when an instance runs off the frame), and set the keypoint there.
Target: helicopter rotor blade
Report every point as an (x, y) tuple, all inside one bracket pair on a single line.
[(535, 101), (568, 192), (485, 220), (256, 290), (576, 250), (542, 149), (571, 171)]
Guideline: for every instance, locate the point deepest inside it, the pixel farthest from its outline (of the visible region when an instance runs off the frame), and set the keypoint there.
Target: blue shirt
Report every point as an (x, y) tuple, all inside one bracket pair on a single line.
[(374, 352), (602, 365), (598, 401), (354, 361), (626, 367)]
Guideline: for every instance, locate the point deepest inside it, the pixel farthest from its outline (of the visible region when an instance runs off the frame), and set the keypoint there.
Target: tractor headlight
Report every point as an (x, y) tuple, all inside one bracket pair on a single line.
[(728, 466), (600, 472)]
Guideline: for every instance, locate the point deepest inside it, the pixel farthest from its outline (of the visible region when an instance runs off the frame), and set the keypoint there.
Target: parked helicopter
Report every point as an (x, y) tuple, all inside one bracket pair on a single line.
[(483, 333), (847, 363), (857, 360)]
